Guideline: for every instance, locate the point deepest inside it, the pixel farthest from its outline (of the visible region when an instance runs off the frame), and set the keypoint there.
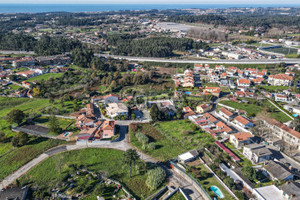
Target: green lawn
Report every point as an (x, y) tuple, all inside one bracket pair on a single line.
[(45, 77), (181, 131), (46, 175), (256, 109), (165, 148)]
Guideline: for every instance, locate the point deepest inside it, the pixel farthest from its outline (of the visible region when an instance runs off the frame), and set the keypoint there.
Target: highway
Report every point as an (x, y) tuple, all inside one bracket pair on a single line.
[(243, 61)]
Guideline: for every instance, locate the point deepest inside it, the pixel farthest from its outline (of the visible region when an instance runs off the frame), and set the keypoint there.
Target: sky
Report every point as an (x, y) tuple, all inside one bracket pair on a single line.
[(282, 2)]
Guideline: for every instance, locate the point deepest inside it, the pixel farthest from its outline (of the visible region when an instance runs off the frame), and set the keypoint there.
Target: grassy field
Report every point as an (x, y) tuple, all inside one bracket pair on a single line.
[(16, 157), (97, 160), (283, 50), (45, 77), (63, 123), (272, 88), (13, 160), (165, 148), (181, 132), (253, 108)]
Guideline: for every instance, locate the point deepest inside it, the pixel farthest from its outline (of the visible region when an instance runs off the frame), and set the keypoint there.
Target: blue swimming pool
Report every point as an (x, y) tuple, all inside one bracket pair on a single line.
[(217, 191), (188, 93)]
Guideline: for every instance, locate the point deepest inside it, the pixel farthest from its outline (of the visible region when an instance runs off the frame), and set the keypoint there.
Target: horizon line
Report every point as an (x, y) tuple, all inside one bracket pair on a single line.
[(152, 4)]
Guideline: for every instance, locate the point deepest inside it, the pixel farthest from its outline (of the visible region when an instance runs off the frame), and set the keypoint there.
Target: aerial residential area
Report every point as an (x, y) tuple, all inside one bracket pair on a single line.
[(149, 104)]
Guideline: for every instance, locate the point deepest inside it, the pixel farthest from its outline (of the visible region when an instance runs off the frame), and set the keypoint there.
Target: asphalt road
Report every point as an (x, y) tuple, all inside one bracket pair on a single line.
[(243, 61)]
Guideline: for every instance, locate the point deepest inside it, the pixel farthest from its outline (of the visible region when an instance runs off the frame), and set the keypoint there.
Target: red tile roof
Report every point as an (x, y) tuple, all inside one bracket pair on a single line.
[(242, 120), (226, 112)]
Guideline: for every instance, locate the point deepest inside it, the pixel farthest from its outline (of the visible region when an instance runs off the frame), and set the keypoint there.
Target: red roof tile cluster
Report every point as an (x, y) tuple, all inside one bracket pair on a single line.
[(281, 77)]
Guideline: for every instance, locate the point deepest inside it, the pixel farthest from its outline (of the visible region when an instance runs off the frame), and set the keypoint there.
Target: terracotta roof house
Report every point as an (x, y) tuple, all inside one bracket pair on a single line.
[(240, 139), (243, 82), (226, 113), (108, 128), (202, 108), (243, 122), (223, 127), (280, 79), (283, 132), (210, 118), (212, 90)]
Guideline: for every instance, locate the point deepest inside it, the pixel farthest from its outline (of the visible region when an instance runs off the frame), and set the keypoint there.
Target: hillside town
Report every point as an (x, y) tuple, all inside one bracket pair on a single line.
[(181, 103)]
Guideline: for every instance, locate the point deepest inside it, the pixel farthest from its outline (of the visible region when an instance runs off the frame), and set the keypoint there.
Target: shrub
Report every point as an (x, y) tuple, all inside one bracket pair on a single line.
[(142, 138), (20, 139), (151, 146), (155, 178)]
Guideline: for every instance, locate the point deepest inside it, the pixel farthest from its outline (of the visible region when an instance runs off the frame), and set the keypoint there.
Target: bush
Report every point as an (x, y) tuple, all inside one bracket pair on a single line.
[(20, 139), (151, 146), (142, 138), (3, 138), (155, 178)]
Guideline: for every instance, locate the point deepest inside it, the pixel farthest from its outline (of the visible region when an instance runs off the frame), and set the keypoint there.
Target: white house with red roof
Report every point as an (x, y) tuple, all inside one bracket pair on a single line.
[(243, 82), (280, 79)]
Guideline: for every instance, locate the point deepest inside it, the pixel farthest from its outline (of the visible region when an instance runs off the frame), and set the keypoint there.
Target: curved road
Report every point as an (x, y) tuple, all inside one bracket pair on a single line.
[(123, 145), (242, 61)]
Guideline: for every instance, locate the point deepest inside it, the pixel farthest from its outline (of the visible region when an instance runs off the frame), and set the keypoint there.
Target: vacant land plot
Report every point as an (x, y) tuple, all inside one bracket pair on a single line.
[(165, 149), (258, 109), (46, 175), (271, 88), (63, 123), (13, 160), (45, 77), (182, 132)]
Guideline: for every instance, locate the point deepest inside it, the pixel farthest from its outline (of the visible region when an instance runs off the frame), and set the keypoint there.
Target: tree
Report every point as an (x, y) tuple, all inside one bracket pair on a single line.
[(15, 116), (155, 177), (249, 172), (3, 138), (155, 113), (20, 139), (130, 157), (53, 124)]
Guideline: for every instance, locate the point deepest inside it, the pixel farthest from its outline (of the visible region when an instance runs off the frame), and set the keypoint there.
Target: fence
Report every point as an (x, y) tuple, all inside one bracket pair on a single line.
[(192, 181)]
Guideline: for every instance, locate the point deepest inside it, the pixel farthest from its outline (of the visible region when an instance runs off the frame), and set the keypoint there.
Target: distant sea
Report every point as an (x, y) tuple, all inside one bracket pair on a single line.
[(39, 8)]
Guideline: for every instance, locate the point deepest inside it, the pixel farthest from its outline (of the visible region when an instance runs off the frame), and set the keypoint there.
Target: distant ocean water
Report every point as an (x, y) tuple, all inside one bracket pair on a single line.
[(37, 8)]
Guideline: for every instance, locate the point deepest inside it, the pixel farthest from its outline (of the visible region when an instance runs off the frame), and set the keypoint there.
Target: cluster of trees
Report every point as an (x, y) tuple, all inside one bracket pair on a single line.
[(243, 20), (55, 45), (208, 34), (44, 46), (144, 139), (155, 47), (10, 41), (207, 19)]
